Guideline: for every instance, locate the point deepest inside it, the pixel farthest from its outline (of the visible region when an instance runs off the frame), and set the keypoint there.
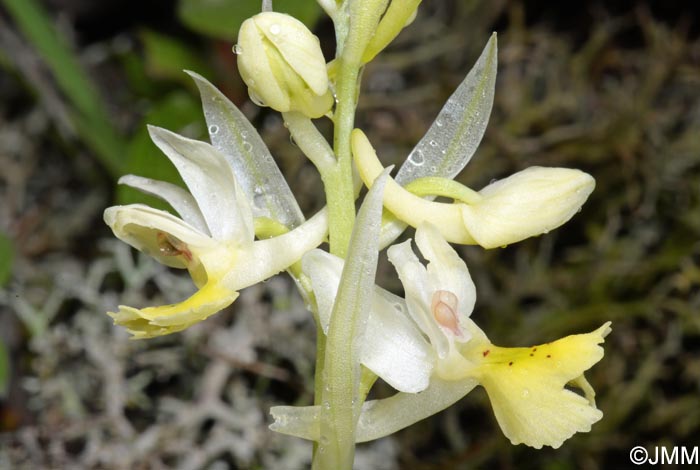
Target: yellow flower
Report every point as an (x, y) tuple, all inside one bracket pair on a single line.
[(214, 239), (429, 349)]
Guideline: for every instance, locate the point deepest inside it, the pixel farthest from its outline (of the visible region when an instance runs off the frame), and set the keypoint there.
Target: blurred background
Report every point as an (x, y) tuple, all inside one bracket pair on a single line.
[(612, 88)]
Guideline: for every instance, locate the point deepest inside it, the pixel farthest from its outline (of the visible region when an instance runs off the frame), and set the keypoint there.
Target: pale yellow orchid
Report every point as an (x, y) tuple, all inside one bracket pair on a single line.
[(429, 349), (528, 203), (214, 239)]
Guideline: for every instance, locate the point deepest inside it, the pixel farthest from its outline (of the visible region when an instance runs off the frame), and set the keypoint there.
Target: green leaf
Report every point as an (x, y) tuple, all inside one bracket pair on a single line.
[(455, 134), (453, 138), (89, 115), (175, 112), (222, 18), (7, 254)]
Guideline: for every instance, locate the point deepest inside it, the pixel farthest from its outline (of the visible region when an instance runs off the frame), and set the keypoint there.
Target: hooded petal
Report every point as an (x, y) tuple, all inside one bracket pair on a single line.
[(159, 234), (419, 293), (526, 387), (211, 181), (158, 321), (446, 270)]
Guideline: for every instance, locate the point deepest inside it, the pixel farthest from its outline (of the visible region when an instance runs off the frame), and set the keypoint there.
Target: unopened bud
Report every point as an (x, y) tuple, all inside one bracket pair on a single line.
[(281, 62), (528, 203)]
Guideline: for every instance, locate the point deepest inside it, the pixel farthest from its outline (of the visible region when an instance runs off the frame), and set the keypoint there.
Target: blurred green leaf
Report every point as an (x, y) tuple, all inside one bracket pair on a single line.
[(177, 112), (4, 370), (90, 118), (166, 57), (222, 18), (7, 254)]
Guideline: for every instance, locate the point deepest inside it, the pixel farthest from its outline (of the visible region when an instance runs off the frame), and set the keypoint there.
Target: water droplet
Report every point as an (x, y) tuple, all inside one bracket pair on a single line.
[(579, 209), (213, 129), (493, 181), (433, 169), (292, 141), (417, 158), (433, 143), (438, 123), (526, 393), (244, 134), (275, 29), (545, 231), (237, 49), (326, 405), (247, 146)]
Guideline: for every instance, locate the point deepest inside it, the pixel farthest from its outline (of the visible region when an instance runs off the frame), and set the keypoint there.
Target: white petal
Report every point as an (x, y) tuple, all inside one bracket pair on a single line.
[(393, 347), (447, 271), (211, 181), (178, 198), (419, 293), (139, 226)]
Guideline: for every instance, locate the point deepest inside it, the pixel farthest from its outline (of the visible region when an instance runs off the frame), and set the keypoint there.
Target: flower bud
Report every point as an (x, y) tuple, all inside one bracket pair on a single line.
[(281, 62), (528, 203)]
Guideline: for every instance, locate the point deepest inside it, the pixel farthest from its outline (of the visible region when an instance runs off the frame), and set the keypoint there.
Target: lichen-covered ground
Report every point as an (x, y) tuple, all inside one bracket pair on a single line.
[(612, 90)]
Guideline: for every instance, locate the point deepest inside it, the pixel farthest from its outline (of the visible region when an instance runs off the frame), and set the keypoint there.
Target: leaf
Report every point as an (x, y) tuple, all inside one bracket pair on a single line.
[(349, 317), (7, 254), (176, 111), (255, 169), (222, 18), (89, 116), (455, 134)]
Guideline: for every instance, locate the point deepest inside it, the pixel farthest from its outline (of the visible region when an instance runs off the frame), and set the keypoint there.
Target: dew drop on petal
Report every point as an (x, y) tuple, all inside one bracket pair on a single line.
[(275, 29), (417, 158), (237, 49), (213, 129), (247, 146)]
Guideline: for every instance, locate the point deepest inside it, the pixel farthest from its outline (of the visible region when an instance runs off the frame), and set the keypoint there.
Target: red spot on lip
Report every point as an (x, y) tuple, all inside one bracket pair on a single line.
[(534, 349), (510, 363), (549, 355), (486, 353), (531, 354)]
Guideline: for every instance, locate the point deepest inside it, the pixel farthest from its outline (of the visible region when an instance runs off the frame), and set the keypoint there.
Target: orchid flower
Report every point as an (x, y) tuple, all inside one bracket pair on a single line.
[(213, 239), (428, 344), (528, 203)]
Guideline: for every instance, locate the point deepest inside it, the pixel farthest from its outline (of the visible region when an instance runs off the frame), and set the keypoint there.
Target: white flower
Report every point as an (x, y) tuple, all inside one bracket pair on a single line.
[(430, 345), (214, 239)]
